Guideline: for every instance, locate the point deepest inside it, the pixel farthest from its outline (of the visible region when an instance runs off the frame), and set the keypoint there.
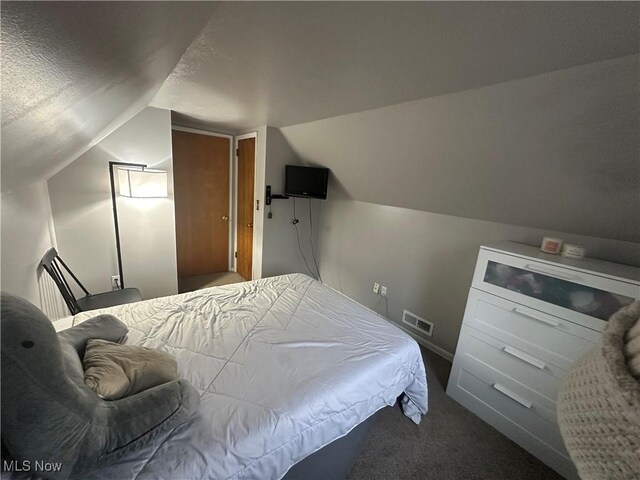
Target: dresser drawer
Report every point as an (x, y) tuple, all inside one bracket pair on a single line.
[(529, 317), (540, 376), (583, 298), (551, 339), (512, 402)]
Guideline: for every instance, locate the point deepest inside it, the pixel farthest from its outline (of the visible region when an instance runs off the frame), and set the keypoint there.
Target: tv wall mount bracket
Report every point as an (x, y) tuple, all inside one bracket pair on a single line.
[(270, 197)]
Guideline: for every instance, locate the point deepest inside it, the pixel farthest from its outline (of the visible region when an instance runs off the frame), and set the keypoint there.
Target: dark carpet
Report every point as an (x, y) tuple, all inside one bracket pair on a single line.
[(450, 442)]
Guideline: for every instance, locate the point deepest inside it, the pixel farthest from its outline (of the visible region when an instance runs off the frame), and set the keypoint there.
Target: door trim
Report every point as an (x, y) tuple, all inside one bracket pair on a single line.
[(232, 184), (244, 136)]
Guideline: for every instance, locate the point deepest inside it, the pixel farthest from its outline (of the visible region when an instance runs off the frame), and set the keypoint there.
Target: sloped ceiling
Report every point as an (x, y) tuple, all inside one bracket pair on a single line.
[(287, 63), (557, 151), (72, 72)]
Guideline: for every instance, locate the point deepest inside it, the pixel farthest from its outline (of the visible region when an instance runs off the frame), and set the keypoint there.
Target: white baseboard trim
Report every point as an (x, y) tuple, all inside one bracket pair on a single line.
[(428, 345)]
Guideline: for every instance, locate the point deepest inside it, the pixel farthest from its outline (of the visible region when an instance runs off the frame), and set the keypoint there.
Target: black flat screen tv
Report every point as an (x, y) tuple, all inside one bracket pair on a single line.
[(307, 182)]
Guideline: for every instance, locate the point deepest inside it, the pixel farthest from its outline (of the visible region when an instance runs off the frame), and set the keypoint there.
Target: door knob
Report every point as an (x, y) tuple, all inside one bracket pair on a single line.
[(225, 218), (250, 225)]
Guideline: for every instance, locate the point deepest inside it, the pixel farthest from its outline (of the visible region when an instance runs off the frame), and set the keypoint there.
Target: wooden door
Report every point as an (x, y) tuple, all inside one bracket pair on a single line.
[(246, 169), (201, 190)]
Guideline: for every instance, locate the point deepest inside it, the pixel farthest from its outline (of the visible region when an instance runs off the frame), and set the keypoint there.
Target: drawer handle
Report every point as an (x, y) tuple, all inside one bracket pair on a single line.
[(513, 396), (553, 273), (525, 357), (546, 320)]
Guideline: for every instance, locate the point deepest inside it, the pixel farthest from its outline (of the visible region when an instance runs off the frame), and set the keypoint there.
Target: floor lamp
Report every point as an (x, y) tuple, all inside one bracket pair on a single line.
[(135, 180)]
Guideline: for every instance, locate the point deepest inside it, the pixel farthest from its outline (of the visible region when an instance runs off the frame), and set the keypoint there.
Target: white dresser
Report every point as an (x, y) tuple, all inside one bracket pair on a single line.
[(529, 316)]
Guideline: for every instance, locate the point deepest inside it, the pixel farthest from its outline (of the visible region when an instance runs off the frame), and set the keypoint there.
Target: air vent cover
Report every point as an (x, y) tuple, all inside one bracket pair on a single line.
[(417, 322)]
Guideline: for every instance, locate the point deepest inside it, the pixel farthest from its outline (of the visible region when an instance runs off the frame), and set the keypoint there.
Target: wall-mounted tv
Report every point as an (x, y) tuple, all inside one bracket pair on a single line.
[(308, 182)]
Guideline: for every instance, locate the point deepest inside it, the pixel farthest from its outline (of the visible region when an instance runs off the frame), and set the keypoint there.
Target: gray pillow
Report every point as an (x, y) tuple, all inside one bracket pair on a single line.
[(106, 327), (115, 371), (73, 341)]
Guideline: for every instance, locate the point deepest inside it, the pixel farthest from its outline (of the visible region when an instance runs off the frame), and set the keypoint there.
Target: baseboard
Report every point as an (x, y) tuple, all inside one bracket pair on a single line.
[(428, 345)]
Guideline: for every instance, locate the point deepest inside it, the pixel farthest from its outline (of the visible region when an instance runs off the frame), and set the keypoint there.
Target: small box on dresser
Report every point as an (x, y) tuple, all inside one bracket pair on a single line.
[(529, 317)]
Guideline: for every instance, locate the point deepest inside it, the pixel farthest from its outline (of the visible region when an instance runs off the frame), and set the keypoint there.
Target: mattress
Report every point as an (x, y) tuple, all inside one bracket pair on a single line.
[(284, 366)]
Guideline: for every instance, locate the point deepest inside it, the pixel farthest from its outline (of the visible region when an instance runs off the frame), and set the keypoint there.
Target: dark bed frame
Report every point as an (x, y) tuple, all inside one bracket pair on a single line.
[(332, 462), (335, 460)]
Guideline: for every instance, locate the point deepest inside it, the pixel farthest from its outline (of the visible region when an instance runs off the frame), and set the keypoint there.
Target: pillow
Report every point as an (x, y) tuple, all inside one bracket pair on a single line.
[(115, 371), (106, 327), (73, 341)]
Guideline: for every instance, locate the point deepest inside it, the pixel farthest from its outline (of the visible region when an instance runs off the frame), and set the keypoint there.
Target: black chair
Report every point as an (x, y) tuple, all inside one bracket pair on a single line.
[(51, 263)]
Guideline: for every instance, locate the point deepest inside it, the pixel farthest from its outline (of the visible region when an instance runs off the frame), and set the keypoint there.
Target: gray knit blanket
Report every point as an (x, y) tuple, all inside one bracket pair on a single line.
[(599, 403)]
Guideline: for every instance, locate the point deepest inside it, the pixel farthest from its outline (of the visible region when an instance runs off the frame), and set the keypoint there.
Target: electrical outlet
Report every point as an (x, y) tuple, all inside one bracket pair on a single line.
[(115, 282), (376, 288), (383, 291)]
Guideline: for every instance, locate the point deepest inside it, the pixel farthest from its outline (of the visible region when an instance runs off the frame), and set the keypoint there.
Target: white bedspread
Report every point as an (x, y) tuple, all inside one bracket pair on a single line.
[(284, 365)]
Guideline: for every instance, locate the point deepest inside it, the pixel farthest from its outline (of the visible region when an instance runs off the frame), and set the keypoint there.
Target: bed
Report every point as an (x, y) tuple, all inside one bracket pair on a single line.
[(285, 366)]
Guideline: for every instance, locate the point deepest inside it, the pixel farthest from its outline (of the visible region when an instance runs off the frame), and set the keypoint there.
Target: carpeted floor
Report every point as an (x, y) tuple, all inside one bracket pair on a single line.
[(450, 443)]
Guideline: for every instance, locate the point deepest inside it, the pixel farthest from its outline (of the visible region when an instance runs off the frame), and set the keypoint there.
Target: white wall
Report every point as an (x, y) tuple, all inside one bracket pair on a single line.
[(280, 251), (83, 216), (552, 154), (426, 260), (27, 233)]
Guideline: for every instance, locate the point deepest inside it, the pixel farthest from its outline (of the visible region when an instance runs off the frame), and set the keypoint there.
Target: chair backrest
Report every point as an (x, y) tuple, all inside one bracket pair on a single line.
[(52, 263)]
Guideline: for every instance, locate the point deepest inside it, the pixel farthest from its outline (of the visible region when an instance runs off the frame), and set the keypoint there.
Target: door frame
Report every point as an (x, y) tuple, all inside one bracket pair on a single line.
[(237, 138), (232, 183)]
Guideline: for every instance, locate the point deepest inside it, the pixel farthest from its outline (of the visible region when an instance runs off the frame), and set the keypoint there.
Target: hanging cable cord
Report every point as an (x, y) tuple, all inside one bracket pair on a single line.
[(313, 250), (386, 307), (295, 225)]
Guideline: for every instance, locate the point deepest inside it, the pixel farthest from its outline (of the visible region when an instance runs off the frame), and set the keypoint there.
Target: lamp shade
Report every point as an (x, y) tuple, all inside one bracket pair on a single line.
[(138, 183)]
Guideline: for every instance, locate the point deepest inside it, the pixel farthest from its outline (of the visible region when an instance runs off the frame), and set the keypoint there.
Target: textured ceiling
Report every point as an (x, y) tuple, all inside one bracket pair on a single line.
[(287, 63), (74, 71)]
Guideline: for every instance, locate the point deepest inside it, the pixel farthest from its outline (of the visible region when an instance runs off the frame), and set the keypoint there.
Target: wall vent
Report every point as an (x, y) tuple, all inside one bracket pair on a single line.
[(417, 322)]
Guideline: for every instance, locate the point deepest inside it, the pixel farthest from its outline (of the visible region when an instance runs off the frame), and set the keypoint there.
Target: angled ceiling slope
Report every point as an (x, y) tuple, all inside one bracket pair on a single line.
[(72, 72), (287, 63)]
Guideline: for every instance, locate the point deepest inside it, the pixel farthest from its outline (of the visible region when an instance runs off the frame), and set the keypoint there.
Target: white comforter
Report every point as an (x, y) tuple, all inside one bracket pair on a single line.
[(284, 365)]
